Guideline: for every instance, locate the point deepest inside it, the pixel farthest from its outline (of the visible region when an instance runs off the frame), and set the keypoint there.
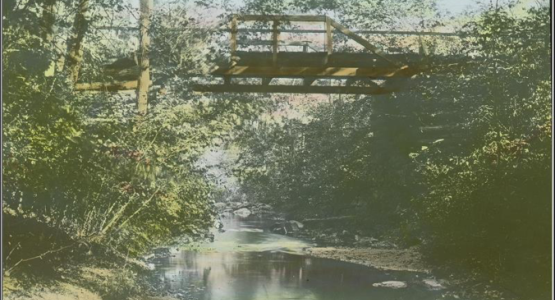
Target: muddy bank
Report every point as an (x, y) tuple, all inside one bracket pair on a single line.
[(385, 259), (97, 276), (86, 282)]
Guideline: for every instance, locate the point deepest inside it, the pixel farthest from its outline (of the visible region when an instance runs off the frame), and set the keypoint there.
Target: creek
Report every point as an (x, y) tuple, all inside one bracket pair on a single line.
[(249, 262)]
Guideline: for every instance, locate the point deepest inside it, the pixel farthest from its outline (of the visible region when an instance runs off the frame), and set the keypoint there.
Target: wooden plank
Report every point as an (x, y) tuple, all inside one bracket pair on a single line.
[(362, 41), (290, 89), (270, 43), (107, 86), (318, 59), (301, 72), (362, 31), (305, 44), (283, 18)]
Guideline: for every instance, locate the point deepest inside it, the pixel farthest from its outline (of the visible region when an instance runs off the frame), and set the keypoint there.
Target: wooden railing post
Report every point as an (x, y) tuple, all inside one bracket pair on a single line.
[(275, 41), (329, 38), (233, 44)]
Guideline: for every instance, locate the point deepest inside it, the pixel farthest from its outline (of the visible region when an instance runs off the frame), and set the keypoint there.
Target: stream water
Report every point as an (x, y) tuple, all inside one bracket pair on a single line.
[(248, 262)]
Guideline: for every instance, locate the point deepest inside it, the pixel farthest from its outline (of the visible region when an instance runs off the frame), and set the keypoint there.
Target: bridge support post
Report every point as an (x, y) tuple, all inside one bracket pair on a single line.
[(275, 41), (144, 76), (329, 39)]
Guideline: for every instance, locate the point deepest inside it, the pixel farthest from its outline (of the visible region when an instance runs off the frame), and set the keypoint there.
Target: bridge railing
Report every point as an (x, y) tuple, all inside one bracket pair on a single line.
[(277, 20)]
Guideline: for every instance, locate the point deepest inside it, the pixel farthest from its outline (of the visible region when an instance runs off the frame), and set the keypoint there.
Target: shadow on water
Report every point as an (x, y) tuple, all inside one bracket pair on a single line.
[(249, 263)]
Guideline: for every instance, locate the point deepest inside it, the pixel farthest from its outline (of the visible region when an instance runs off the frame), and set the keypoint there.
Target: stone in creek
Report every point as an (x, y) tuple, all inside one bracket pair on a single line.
[(433, 284), (220, 206), (296, 225), (234, 205), (226, 213), (161, 252), (279, 228), (391, 284), (238, 205), (242, 212), (287, 227)]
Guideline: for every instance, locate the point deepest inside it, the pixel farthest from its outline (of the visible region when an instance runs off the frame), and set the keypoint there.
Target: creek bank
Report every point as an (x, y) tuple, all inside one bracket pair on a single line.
[(93, 273), (384, 259), (334, 242), (104, 280)]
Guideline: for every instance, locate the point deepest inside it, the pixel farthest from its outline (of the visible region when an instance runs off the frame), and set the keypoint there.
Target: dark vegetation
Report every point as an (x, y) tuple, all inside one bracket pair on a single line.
[(84, 177), (475, 195)]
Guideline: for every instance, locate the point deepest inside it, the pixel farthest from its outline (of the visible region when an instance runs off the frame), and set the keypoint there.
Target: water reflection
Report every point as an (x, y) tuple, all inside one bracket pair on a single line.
[(257, 271)]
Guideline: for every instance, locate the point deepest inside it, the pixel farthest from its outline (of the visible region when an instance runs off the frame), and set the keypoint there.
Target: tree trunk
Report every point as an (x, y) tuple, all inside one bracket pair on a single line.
[(47, 27), (144, 75), (75, 45), (47, 21)]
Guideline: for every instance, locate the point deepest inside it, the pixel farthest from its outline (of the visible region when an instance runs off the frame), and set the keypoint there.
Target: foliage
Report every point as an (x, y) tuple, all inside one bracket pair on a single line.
[(488, 208), (80, 169), (477, 193), (85, 166)]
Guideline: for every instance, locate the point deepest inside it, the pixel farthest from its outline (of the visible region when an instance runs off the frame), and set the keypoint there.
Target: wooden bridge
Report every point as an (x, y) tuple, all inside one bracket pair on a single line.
[(359, 73), (406, 122)]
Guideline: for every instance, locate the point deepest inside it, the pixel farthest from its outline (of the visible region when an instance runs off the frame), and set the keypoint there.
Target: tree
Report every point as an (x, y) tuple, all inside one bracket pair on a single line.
[(144, 77)]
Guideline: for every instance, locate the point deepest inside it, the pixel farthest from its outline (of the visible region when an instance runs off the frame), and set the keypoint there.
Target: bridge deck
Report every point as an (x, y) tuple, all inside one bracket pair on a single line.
[(310, 66)]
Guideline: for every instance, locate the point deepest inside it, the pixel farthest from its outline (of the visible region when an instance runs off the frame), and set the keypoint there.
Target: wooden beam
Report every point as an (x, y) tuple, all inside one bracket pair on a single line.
[(362, 41), (308, 81), (290, 89), (337, 59), (362, 31), (270, 43), (301, 72), (283, 18), (108, 86)]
